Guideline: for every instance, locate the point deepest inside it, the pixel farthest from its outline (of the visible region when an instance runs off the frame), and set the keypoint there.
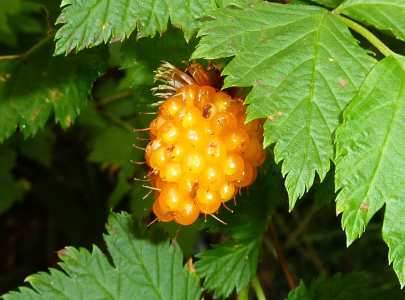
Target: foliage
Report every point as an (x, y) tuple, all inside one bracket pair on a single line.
[(369, 162), (347, 286), (327, 77), (301, 80), (140, 267)]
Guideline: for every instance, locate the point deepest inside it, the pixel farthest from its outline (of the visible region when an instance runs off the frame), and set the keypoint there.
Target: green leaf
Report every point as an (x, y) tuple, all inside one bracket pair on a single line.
[(11, 190), (8, 8), (394, 236), (301, 292), (89, 23), (349, 286), (304, 67), (61, 85), (386, 15), (229, 266), (232, 265), (141, 269), (328, 3), (370, 161), (113, 146), (16, 17)]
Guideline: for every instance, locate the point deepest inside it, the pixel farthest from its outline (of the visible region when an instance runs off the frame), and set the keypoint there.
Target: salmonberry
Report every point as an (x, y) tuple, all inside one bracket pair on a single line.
[(201, 151)]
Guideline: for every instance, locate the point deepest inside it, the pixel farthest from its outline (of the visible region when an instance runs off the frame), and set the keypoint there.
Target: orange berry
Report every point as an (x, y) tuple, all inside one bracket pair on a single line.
[(175, 152), (163, 216), (171, 172), (171, 107), (259, 158), (222, 101), (157, 158), (201, 151), (215, 149), (237, 140), (208, 200), (255, 128), (223, 122), (251, 150), (155, 125), (204, 96), (156, 181), (249, 175), (194, 137), (227, 191), (187, 214), (208, 111), (234, 166), (189, 185), (188, 94), (169, 133), (194, 163), (191, 118), (237, 109), (171, 198), (212, 176)]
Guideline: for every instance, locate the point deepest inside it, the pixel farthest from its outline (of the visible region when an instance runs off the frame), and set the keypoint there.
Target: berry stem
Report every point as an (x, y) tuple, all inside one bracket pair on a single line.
[(367, 34), (281, 257), (258, 289)]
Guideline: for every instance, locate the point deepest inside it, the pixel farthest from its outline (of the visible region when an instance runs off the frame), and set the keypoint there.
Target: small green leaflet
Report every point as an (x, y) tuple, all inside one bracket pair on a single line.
[(92, 22), (232, 265), (229, 266), (61, 85), (370, 159), (304, 67), (141, 270), (386, 15)]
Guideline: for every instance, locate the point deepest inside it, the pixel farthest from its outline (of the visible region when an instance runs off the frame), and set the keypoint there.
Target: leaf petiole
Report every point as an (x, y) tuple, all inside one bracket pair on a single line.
[(258, 289), (244, 294), (367, 34)]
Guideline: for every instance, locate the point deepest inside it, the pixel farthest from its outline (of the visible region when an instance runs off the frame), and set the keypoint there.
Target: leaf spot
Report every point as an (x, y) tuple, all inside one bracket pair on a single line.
[(343, 83), (364, 206), (35, 114), (62, 252), (55, 94)]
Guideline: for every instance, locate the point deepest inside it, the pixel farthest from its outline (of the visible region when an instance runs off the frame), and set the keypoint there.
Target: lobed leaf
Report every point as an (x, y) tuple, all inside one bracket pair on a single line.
[(229, 266), (61, 85), (141, 269), (92, 22), (370, 161), (386, 15), (304, 67)]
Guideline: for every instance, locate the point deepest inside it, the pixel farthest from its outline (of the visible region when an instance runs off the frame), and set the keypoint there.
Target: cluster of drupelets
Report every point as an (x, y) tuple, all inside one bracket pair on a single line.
[(201, 153)]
